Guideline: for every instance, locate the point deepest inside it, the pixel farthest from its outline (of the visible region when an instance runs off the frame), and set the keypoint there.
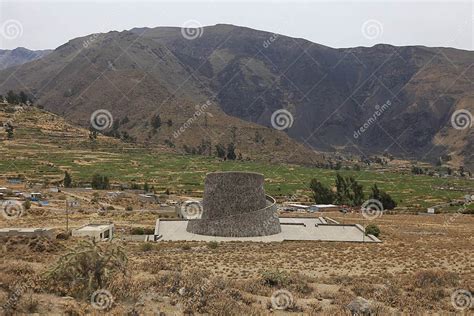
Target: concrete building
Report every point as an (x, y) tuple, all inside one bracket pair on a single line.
[(27, 232), (100, 232)]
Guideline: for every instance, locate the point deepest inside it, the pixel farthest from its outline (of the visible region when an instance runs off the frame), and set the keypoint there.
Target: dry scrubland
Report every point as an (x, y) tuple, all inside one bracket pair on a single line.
[(420, 263)]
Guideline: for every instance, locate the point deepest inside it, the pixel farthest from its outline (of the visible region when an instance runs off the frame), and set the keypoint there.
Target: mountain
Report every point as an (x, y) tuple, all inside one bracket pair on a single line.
[(365, 100), (19, 56)]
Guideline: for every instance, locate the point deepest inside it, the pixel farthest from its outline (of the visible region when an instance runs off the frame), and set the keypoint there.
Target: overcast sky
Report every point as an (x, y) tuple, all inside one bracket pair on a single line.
[(39, 24)]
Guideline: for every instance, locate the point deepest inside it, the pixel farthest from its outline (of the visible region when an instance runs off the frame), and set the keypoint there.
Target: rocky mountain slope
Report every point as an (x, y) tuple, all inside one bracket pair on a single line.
[(20, 55), (364, 100)]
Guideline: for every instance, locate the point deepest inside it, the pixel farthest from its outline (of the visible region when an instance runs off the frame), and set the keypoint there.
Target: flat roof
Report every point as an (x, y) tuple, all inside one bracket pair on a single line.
[(94, 227)]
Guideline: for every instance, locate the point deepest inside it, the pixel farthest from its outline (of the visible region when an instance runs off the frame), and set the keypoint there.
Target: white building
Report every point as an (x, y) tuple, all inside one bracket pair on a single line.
[(100, 232)]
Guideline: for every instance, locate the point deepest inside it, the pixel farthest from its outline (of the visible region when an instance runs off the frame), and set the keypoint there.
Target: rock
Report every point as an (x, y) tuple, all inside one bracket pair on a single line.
[(360, 306)]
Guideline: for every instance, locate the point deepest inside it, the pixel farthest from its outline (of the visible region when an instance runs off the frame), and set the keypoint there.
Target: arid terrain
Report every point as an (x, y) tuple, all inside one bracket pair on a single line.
[(420, 266)]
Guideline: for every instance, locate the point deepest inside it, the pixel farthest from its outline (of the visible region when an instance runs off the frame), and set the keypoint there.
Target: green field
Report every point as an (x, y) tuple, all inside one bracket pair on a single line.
[(185, 173)]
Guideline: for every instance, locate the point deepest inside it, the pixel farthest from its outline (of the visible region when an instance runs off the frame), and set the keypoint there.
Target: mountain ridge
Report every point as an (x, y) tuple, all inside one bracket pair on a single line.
[(330, 92)]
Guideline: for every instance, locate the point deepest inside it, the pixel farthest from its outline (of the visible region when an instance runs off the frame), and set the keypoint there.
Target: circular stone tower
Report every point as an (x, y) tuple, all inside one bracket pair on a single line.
[(235, 205)]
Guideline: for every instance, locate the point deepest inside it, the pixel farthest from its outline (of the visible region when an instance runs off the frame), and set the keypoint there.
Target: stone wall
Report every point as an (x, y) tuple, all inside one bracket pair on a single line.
[(235, 205)]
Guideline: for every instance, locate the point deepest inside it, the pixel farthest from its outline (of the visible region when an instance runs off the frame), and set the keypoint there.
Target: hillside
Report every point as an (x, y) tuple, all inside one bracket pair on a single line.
[(19, 56), (247, 75)]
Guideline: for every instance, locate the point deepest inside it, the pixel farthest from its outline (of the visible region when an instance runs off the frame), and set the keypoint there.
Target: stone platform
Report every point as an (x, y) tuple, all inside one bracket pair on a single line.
[(291, 229)]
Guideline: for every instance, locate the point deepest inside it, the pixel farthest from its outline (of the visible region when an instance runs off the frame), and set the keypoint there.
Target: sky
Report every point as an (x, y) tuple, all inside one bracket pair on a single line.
[(36, 24)]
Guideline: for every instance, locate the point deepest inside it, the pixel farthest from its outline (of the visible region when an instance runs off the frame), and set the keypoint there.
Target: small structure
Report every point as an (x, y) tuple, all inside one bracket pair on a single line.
[(431, 210), (54, 190), (295, 207), (14, 180), (148, 198), (100, 232), (35, 196), (27, 232), (4, 190), (323, 207)]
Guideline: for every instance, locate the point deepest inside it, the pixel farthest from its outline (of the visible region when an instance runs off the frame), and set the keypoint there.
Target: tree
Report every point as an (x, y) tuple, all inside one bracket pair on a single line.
[(9, 129), (100, 182), (12, 98), (156, 121), (23, 98), (231, 152), (387, 202), (146, 187), (67, 180), (321, 193), (348, 191), (220, 151)]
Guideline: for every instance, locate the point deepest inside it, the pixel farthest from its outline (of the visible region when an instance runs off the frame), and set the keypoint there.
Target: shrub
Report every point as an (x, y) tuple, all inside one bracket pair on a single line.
[(129, 208), (146, 247), (186, 247), (212, 244), (88, 267), (27, 204), (372, 229), (275, 278)]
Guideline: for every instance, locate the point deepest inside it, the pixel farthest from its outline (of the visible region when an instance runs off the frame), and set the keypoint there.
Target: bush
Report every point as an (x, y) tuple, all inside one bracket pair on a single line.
[(186, 247), (275, 278), (142, 231), (146, 247), (88, 267), (27, 204), (372, 229), (129, 208), (212, 244)]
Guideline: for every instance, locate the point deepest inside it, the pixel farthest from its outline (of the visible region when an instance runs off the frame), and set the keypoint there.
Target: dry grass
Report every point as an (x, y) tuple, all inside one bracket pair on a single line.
[(415, 270)]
